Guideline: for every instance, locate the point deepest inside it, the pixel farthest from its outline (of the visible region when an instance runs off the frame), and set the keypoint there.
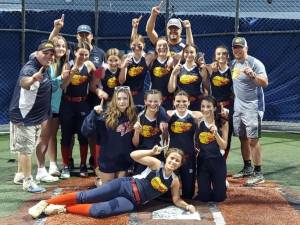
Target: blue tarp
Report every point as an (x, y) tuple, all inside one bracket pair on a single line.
[(279, 52)]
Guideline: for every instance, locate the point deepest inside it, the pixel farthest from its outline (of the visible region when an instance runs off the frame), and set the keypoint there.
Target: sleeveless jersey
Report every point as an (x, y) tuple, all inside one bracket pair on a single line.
[(221, 85), (190, 81), (79, 85), (110, 81), (136, 74)]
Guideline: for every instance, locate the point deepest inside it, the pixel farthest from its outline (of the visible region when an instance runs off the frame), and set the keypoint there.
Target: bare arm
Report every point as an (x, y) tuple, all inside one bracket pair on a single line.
[(145, 157), (135, 25), (221, 140), (153, 36), (173, 78), (137, 130), (188, 32), (58, 24), (258, 79), (177, 200), (123, 71), (94, 83), (26, 82)]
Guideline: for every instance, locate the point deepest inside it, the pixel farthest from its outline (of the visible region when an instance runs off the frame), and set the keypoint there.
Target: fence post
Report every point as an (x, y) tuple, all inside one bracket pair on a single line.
[(96, 21), (167, 15), (23, 12), (237, 18)]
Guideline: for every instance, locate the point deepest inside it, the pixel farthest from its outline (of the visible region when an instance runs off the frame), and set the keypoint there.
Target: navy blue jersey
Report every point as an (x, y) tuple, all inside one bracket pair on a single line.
[(153, 183), (221, 85), (136, 73), (206, 142), (31, 107), (150, 134), (160, 76), (177, 47), (190, 81), (110, 81), (79, 85), (181, 130)]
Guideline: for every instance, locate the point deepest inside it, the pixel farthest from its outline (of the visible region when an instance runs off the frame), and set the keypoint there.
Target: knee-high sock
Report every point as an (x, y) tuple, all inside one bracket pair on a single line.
[(66, 154), (64, 199), (83, 153), (79, 209)]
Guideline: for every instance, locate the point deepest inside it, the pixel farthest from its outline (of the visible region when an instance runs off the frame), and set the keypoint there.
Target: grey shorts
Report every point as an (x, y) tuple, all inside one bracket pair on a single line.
[(247, 124), (23, 139)]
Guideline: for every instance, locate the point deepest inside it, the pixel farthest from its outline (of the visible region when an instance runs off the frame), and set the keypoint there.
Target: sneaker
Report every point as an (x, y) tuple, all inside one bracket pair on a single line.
[(65, 173), (36, 210), (18, 179), (30, 186), (71, 164), (54, 171), (83, 171), (257, 178), (46, 177), (54, 209), (245, 172)]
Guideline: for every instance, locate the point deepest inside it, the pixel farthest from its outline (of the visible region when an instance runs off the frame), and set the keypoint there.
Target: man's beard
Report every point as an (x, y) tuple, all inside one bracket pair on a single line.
[(173, 36)]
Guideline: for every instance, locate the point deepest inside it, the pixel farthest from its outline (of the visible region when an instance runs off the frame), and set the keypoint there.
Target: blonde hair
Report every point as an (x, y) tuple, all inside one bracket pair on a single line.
[(115, 52), (137, 37), (113, 113), (59, 63)]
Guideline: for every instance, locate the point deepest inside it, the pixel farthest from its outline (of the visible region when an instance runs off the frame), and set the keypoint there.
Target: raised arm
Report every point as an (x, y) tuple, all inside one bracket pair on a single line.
[(153, 36), (221, 140), (123, 72), (135, 25), (57, 25), (137, 130), (146, 157), (173, 78), (26, 82), (188, 31)]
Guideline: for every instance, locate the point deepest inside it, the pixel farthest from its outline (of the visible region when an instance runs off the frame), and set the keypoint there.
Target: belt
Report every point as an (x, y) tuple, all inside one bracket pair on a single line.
[(225, 103), (136, 192), (74, 99)]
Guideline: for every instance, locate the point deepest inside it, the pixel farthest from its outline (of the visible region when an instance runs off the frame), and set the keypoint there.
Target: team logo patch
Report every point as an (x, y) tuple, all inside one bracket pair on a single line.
[(112, 82), (158, 185), (188, 78), (206, 137), (235, 73), (160, 71), (180, 127), (135, 71), (78, 79), (220, 81), (149, 131)]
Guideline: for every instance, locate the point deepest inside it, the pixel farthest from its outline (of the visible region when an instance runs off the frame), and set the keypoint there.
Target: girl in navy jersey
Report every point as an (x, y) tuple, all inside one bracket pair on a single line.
[(160, 70), (123, 194), (189, 77), (147, 132), (74, 106), (221, 86), (111, 76), (134, 69), (182, 125), (114, 128), (210, 137)]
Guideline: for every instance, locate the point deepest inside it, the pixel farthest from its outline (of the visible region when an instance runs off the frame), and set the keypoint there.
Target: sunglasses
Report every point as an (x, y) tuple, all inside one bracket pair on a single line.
[(119, 88)]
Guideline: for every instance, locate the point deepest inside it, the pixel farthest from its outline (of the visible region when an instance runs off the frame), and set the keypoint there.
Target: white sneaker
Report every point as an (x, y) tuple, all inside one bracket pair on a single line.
[(18, 179), (37, 209), (54, 209), (30, 186), (46, 177), (54, 171)]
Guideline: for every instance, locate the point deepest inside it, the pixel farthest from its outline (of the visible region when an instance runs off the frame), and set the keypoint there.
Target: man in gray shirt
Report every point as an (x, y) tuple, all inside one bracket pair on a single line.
[(249, 78)]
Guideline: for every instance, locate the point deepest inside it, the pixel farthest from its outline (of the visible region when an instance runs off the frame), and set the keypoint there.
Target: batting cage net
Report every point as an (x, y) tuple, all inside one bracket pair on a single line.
[(272, 29)]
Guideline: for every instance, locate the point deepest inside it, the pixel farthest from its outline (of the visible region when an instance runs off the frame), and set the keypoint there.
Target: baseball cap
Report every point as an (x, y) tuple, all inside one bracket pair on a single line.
[(174, 22), (46, 46), (239, 41), (84, 28)]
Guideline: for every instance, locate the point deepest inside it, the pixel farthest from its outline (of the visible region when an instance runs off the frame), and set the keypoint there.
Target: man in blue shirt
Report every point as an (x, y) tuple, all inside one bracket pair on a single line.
[(29, 110)]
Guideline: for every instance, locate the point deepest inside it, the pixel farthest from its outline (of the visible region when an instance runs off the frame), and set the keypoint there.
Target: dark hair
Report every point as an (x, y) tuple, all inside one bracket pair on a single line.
[(211, 99), (182, 60), (152, 92), (181, 93), (84, 45), (224, 47)]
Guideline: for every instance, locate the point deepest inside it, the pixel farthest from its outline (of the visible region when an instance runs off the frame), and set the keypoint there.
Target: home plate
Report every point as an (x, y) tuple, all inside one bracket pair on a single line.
[(174, 213)]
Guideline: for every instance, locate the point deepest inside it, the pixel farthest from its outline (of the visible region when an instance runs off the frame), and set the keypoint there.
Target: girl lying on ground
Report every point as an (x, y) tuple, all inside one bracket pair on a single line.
[(124, 194)]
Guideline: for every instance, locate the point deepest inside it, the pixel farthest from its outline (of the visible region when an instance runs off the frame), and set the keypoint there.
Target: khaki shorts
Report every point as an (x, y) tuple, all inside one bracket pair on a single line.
[(23, 139), (247, 124)]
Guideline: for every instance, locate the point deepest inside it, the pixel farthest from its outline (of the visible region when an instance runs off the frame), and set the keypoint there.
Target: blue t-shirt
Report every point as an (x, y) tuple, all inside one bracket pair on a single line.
[(31, 107)]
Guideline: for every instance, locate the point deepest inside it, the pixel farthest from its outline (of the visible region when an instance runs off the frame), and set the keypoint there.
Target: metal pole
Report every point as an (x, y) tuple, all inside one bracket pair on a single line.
[(167, 14), (96, 21), (23, 33), (237, 18)]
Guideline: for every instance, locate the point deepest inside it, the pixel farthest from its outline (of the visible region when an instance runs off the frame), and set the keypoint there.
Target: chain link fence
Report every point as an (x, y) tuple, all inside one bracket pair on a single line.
[(272, 29)]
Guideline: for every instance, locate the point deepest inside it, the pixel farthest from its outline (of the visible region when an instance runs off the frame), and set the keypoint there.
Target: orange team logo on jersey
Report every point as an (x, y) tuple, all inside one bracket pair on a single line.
[(235, 73), (180, 127), (149, 131), (206, 137), (188, 78), (112, 82), (135, 71), (159, 71), (220, 81), (158, 185), (78, 79)]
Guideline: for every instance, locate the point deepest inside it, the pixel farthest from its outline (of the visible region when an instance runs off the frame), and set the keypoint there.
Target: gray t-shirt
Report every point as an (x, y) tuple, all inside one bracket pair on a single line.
[(248, 95)]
